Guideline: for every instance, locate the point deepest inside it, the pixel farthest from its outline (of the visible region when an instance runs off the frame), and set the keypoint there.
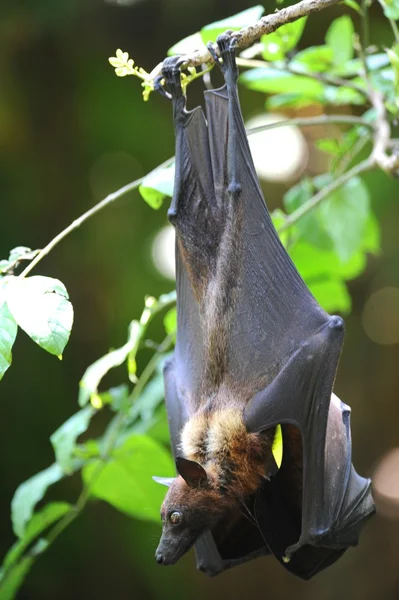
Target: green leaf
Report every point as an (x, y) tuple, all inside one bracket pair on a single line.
[(313, 59), (277, 44), (340, 39), (64, 438), (150, 398), (170, 321), (329, 145), (41, 308), (187, 45), (354, 5), (242, 19), (340, 222), (274, 81), (390, 8), (278, 218), (28, 495), (12, 581), (343, 95), (93, 374), (159, 429), (315, 264), (158, 184), (125, 481), (37, 525), (289, 101), (332, 295), (117, 397), (344, 215), (354, 67), (8, 333), (309, 225)]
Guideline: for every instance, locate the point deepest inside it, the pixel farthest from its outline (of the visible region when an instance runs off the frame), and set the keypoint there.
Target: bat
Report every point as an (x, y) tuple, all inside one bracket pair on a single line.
[(253, 368)]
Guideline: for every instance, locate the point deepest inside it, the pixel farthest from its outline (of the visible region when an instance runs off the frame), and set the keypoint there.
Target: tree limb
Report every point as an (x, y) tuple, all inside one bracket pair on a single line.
[(247, 36)]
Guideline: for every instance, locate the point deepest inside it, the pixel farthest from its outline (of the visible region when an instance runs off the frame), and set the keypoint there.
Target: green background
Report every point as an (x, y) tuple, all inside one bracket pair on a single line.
[(71, 132)]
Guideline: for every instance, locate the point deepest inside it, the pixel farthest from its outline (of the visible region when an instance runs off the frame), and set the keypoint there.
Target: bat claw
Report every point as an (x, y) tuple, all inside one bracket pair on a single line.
[(158, 87), (226, 57), (171, 71)]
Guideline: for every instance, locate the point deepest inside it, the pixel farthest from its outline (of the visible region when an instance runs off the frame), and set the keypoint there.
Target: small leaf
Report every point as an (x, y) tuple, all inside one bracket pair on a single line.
[(289, 101), (277, 44), (158, 184), (93, 374), (329, 145), (150, 398), (28, 495), (8, 333), (37, 525), (313, 59), (274, 81), (391, 9), (64, 438), (236, 22), (41, 307), (187, 45), (354, 5), (332, 295), (125, 481), (353, 67), (170, 321), (340, 39), (344, 215), (343, 95)]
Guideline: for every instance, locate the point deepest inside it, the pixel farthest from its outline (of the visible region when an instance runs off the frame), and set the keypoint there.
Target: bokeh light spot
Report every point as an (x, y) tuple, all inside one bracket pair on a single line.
[(380, 316), (163, 251), (386, 485), (278, 154)]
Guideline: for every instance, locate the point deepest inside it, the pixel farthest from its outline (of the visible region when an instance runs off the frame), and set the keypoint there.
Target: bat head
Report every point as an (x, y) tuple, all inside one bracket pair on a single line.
[(192, 504)]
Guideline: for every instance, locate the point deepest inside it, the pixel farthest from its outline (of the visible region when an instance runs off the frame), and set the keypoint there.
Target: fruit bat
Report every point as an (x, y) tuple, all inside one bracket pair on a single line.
[(255, 360)]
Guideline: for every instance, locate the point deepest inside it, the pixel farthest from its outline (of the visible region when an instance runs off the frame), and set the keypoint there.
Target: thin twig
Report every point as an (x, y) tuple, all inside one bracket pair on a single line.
[(303, 210), (78, 222), (394, 29), (313, 122), (286, 67)]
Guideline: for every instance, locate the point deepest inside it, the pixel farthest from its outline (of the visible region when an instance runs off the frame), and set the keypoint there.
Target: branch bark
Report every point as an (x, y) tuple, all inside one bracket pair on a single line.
[(247, 36)]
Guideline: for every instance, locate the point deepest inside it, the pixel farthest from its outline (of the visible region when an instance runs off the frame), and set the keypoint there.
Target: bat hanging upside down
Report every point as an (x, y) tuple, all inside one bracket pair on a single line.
[(253, 368)]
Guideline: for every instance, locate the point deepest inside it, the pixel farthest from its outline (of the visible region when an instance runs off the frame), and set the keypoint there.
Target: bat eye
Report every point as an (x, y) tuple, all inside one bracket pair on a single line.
[(176, 517)]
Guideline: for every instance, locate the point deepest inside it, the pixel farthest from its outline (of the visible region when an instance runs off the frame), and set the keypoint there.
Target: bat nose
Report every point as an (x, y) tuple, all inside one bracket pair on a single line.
[(159, 558)]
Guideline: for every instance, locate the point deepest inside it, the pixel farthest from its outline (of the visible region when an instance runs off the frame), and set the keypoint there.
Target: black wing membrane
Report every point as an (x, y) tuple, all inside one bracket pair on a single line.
[(279, 339)]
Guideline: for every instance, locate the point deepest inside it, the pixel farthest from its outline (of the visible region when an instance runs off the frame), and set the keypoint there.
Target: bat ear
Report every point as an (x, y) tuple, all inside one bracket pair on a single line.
[(164, 480), (192, 472)]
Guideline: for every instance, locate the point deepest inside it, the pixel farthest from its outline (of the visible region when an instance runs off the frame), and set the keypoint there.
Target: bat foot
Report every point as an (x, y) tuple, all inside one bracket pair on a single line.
[(171, 74), (225, 57)]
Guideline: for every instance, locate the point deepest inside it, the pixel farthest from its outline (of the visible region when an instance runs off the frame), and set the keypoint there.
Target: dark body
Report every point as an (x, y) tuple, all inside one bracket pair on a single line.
[(248, 324)]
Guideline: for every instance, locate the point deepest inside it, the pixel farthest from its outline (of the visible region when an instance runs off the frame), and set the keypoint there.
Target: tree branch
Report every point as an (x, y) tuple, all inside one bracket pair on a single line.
[(247, 36)]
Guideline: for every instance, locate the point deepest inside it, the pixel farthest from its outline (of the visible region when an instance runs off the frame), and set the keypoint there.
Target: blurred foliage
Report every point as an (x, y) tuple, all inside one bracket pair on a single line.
[(75, 132)]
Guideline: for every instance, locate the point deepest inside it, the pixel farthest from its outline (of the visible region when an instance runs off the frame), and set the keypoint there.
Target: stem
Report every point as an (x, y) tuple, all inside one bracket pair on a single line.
[(78, 222), (314, 121), (366, 165), (150, 367), (394, 29), (337, 81)]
